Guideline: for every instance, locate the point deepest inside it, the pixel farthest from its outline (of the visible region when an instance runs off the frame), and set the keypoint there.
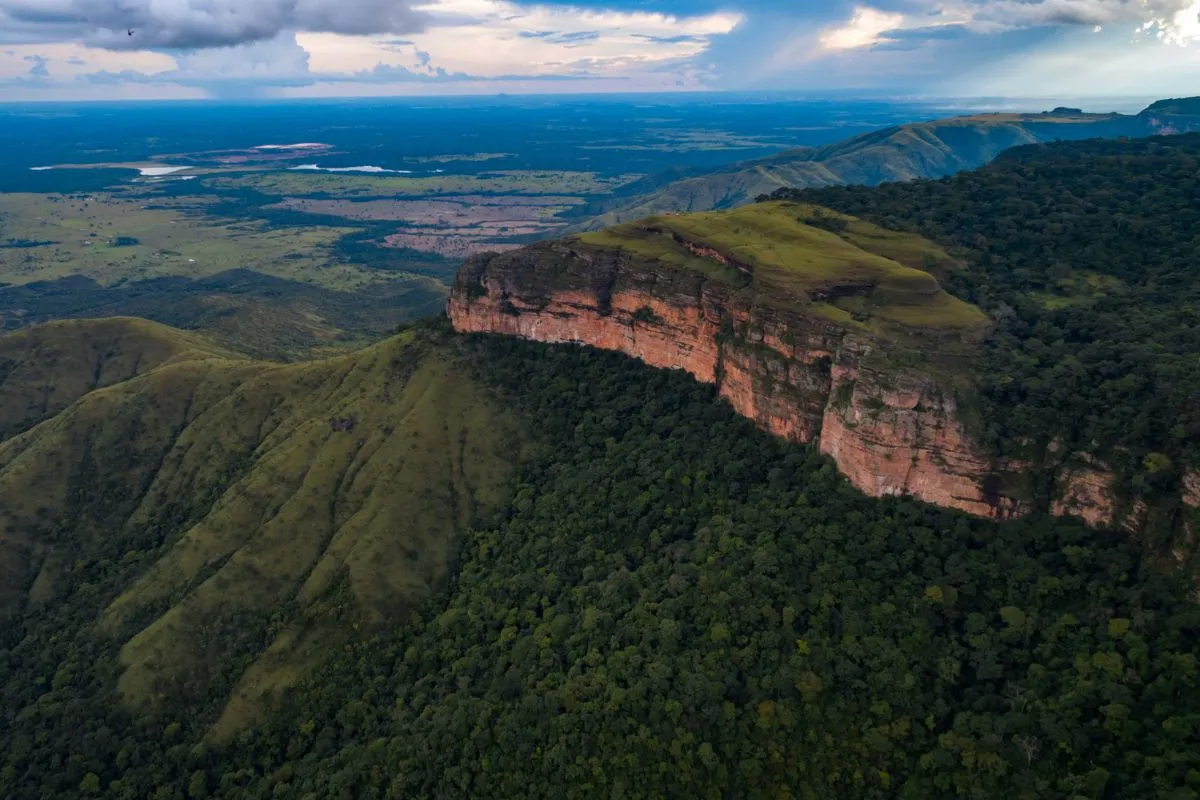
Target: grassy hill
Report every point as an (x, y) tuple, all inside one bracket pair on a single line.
[(45, 368), (228, 522), (801, 256), (916, 150)]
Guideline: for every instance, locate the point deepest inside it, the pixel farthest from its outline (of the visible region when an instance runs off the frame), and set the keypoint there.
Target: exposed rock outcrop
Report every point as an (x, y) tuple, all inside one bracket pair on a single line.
[(797, 375), (1086, 492), (891, 420)]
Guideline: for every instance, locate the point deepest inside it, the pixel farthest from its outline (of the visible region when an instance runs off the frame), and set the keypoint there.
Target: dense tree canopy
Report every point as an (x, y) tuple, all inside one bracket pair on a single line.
[(679, 605), (1085, 254), (675, 604)]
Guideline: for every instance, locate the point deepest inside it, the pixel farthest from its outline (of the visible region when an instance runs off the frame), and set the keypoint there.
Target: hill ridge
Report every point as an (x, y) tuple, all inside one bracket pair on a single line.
[(328, 492), (933, 149)]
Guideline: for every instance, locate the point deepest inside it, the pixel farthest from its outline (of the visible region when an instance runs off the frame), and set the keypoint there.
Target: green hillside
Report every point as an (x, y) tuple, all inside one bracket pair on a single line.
[(672, 604), (806, 258), (250, 515), (255, 314), (905, 152), (446, 566), (44, 369)]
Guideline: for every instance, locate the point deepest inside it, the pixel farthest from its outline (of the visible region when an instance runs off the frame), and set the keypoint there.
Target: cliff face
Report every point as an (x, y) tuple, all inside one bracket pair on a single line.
[(903, 436), (796, 375), (888, 413)]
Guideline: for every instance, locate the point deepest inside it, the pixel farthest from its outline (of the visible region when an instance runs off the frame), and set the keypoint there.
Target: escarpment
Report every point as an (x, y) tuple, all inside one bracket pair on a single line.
[(820, 333)]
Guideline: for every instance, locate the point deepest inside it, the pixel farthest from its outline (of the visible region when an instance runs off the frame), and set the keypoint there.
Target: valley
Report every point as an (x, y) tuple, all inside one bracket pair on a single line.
[(291, 239)]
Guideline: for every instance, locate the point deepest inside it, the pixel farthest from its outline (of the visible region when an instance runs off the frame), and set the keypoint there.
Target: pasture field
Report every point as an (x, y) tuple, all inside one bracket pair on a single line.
[(111, 238), (342, 185)]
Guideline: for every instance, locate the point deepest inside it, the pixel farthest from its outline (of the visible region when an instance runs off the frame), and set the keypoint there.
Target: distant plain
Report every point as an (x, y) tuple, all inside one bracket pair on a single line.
[(338, 202)]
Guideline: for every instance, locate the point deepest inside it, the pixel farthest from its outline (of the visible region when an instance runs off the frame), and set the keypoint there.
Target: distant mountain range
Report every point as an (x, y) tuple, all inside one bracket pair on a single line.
[(903, 152)]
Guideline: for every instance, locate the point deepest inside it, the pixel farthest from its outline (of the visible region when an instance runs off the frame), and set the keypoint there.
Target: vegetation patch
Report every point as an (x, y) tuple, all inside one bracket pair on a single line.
[(242, 503), (773, 250), (664, 585), (513, 182), (1084, 255), (646, 315)]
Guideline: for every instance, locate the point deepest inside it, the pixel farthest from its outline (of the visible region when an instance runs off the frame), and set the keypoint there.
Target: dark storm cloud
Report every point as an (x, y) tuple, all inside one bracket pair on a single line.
[(193, 24)]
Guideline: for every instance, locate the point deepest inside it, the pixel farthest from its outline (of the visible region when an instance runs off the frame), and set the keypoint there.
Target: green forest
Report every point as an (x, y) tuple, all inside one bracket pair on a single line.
[(1085, 256), (673, 604), (581, 577)]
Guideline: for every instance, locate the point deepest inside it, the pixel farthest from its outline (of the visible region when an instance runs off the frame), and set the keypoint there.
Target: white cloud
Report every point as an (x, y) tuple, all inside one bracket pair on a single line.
[(864, 29), (72, 60), (469, 43), (991, 16), (281, 57), (491, 38), (1086, 65), (1173, 21), (1181, 28)]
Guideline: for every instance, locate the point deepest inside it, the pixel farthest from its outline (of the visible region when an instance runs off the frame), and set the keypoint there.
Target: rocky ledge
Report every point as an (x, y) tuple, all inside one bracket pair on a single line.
[(888, 414)]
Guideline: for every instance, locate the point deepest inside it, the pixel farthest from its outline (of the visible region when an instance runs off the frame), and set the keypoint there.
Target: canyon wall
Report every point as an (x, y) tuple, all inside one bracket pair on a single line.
[(891, 429)]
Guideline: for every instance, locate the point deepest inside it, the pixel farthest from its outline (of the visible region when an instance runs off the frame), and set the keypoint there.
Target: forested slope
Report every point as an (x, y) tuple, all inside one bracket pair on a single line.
[(212, 528), (673, 604), (1084, 254), (473, 566)]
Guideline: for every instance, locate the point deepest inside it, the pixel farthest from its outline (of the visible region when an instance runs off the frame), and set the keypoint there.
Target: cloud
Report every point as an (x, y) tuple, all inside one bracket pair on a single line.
[(998, 15), (498, 39), (1176, 21), (867, 27), (1181, 28), (287, 44), (39, 70), (196, 24), (256, 69), (558, 37), (238, 71)]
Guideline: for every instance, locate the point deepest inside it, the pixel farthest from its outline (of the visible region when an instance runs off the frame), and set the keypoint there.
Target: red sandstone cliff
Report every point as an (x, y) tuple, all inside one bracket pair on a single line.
[(892, 430)]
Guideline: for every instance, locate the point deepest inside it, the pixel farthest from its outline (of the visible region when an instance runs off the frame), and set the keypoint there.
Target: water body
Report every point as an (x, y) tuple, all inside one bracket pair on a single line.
[(158, 172), (368, 169)]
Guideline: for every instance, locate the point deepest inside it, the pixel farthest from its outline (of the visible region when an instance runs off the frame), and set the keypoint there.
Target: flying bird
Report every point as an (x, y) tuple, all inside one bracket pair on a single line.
[(131, 31)]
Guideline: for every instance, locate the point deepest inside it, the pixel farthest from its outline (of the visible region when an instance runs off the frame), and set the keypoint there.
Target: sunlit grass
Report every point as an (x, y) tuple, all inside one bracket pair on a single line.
[(801, 257)]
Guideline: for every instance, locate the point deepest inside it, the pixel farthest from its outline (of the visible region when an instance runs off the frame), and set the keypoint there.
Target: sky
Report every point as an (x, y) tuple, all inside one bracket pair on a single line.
[(123, 49)]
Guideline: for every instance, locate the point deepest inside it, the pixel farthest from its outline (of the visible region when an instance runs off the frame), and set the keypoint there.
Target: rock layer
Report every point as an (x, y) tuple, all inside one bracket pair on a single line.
[(890, 421), (796, 375)]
